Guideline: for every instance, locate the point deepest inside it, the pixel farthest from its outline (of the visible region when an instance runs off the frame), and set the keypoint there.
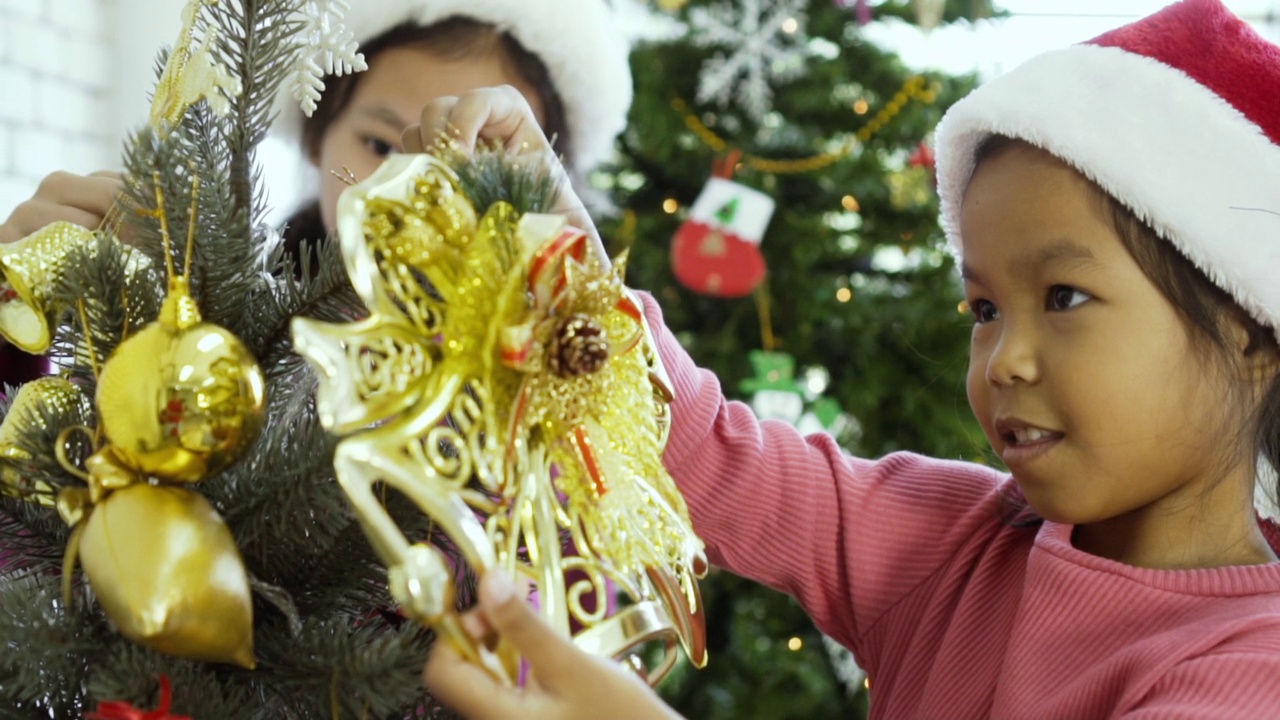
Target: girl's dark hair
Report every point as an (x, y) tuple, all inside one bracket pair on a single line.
[(1203, 305), (453, 38)]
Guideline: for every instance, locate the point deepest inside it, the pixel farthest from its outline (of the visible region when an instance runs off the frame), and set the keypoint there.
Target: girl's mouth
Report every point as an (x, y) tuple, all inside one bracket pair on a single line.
[(1024, 442)]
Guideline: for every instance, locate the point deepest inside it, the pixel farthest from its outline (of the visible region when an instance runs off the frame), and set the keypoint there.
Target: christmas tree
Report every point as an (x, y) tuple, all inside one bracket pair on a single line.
[(152, 563), (855, 326)]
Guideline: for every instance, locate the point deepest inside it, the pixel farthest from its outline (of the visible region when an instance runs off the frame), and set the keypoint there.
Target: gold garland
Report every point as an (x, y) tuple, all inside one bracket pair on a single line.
[(915, 88)]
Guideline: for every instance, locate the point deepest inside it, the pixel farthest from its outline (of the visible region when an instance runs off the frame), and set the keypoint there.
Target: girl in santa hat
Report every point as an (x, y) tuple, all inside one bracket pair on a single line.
[(567, 58), (1115, 209)]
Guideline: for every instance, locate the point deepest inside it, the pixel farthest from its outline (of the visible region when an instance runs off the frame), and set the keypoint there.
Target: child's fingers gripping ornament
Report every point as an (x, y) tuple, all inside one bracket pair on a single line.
[(506, 383)]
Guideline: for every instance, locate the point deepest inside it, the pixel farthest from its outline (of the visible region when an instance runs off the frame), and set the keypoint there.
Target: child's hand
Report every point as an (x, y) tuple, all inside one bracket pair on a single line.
[(83, 200), (500, 115), (566, 683)]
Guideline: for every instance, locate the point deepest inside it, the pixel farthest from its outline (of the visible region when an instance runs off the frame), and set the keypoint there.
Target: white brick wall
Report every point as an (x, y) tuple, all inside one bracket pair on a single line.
[(56, 60)]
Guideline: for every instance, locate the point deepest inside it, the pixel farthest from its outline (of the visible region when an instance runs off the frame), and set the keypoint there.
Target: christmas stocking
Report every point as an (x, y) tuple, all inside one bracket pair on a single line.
[(717, 250)]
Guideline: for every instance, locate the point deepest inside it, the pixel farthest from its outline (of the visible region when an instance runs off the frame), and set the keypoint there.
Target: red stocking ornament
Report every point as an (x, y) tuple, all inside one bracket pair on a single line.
[(717, 250)]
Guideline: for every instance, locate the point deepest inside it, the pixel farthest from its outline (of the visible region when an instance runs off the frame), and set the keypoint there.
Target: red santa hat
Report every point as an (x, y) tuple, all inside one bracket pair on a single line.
[(585, 51), (1177, 116)]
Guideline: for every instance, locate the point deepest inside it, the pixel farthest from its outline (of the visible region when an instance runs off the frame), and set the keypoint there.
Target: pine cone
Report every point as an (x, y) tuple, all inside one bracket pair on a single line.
[(578, 347)]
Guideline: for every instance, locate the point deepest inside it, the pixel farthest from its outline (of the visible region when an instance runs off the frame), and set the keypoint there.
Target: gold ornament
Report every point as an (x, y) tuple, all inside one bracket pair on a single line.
[(177, 401), (191, 74), (32, 268), (507, 384), (51, 397), (167, 572), (181, 399)]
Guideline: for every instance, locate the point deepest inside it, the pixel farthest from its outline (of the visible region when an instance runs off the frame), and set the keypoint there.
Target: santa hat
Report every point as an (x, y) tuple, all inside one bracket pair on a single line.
[(1177, 116), (584, 50)]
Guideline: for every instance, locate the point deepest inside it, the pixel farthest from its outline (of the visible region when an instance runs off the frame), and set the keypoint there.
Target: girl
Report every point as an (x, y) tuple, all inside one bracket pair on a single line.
[(567, 58), (1115, 210)]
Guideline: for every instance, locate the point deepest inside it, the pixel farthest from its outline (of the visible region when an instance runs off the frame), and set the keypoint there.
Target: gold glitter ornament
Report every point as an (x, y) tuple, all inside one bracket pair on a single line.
[(506, 383), (192, 74), (31, 270), (181, 399), (47, 397), (167, 572)]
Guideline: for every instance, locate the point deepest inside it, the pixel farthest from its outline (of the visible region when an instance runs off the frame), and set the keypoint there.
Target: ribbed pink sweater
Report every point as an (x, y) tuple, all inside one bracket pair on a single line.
[(953, 613)]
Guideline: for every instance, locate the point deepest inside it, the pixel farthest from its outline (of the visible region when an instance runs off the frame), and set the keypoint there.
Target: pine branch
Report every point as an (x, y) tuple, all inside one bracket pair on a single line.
[(492, 175), (130, 673), (366, 666), (48, 649), (256, 45)]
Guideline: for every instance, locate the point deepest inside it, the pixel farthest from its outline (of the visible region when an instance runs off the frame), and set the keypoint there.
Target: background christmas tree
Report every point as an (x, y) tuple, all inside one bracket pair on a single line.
[(859, 285), (328, 641)]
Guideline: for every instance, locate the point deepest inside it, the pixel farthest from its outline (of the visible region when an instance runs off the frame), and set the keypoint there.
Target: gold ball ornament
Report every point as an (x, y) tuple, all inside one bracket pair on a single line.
[(167, 573), (181, 399)]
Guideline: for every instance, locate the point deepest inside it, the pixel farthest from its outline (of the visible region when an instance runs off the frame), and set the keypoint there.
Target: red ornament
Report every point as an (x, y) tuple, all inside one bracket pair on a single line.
[(717, 250), (124, 711), (923, 157)]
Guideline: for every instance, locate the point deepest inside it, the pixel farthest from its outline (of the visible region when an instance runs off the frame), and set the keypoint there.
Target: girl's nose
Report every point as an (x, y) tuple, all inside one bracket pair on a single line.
[(1014, 357)]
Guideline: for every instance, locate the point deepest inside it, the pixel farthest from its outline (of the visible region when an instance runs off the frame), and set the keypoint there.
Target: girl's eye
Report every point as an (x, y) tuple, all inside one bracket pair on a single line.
[(984, 311), (1065, 297), (381, 148)]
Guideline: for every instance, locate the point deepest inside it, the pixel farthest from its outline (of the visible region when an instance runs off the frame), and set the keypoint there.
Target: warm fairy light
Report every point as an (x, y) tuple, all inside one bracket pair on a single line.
[(850, 203), (794, 644), (844, 295), (790, 25), (860, 106), (670, 206), (963, 308), (866, 683)]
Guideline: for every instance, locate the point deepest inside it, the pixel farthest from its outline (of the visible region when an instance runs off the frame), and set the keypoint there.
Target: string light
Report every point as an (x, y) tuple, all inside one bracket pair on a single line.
[(790, 25), (963, 308), (844, 295), (670, 206), (861, 107), (850, 203), (795, 644)]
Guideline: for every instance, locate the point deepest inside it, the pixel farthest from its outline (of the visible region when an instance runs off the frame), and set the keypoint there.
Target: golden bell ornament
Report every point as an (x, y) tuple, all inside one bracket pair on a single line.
[(45, 397), (167, 573), (180, 399), (30, 270)]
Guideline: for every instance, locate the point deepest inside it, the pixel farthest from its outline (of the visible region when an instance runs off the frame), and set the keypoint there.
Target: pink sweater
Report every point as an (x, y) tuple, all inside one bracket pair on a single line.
[(953, 613)]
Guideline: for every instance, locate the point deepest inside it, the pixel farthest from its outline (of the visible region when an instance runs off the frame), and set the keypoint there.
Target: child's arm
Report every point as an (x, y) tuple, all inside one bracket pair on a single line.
[(848, 537)]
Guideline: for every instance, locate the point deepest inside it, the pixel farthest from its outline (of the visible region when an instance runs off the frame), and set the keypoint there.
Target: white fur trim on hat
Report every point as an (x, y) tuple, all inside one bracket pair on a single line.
[(585, 53), (1179, 156)]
